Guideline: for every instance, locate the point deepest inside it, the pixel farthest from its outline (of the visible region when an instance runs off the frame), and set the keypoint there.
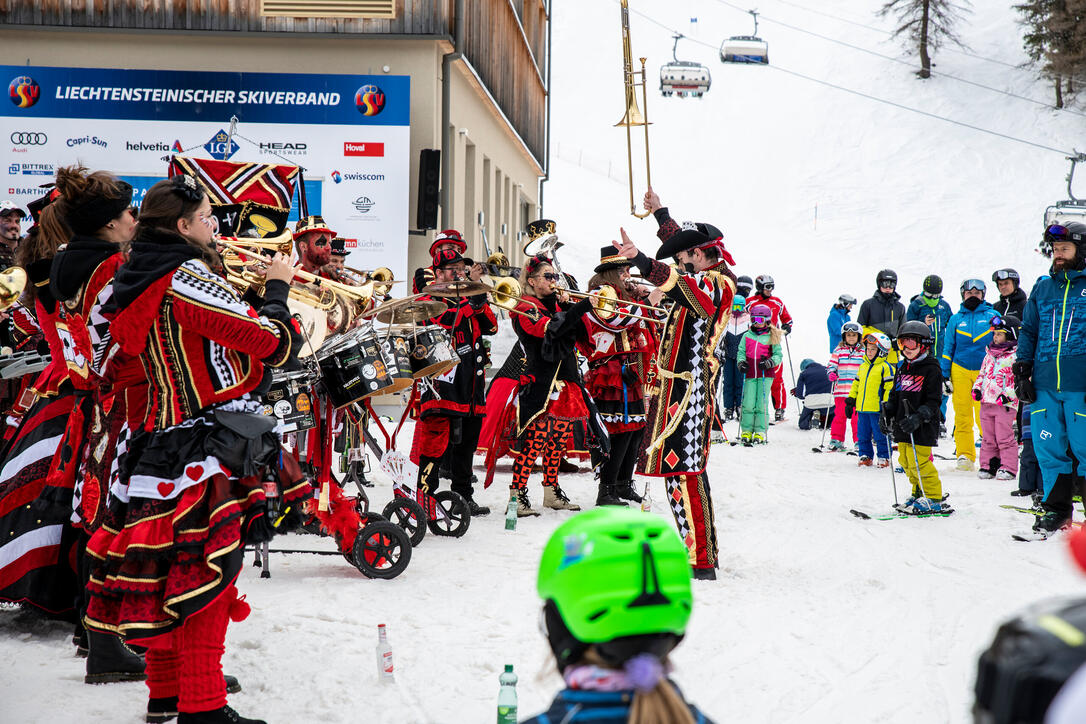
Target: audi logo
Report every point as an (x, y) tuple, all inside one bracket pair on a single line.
[(28, 138)]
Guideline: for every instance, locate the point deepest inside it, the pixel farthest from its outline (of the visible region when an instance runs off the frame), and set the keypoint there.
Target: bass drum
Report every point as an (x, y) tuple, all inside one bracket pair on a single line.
[(433, 353), (397, 353)]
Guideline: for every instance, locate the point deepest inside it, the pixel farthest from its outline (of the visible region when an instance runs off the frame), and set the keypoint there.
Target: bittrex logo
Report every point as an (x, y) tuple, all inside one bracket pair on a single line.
[(221, 146), (337, 176), (370, 100), (24, 92)]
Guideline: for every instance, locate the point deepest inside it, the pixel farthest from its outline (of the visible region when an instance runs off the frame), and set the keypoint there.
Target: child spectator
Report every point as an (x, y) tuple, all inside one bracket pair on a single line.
[(730, 378), (813, 380), (844, 362), (994, 390), (870, 389), (911, 414), (759, 355)]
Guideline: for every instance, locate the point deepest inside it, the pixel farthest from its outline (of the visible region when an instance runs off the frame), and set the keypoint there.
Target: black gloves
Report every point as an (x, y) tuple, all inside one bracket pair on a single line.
[(850, 406), (741, 365), (885, 427), (1004, 400), (977, 394), (910, 423), (787, 327), (1023, 382), (766, 364)]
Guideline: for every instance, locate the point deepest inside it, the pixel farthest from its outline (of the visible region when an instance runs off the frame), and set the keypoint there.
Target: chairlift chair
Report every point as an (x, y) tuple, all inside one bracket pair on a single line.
[(748, 49), (683, 77)]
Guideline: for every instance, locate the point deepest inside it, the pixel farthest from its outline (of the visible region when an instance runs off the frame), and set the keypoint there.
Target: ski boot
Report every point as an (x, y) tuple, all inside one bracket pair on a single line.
[(556, 499), (1051, 522), (985, 474), (745, 439), (524, 506), (778, 415), (835, 446), (864, 462), (758, 439), (1004, 475), (1021, 493), (883, 463), (716, 437), (923, 506), (964, 464), (729, 414)]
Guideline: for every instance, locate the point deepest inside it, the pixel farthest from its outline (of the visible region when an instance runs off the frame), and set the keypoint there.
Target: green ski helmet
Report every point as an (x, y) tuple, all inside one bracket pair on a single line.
[(616, 578)]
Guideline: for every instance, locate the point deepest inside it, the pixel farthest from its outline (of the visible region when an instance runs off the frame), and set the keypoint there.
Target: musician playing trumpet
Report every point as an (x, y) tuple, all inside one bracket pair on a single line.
[(621, 348), (453, 404)]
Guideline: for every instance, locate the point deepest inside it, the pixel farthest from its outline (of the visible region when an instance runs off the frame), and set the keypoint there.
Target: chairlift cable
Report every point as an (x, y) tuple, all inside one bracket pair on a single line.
[(869, 96)]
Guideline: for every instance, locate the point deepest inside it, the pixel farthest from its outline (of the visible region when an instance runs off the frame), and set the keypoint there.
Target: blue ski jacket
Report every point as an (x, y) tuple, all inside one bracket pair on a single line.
[(1053, 335), (967, 337), (573, 706), (919, 308), (838, 316)]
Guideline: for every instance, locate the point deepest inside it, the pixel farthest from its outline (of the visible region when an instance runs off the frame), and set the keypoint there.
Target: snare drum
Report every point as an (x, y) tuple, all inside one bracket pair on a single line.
[(397, 351), (290, 400), (433, 353), (353, 368)]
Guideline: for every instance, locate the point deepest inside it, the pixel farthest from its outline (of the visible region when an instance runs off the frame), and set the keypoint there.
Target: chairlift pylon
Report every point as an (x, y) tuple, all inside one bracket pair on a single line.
[(747, 49), (1072, 208), (683, 77)]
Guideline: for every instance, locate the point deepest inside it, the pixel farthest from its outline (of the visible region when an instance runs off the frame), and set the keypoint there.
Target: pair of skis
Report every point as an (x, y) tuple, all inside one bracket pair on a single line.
[(1035, 535)]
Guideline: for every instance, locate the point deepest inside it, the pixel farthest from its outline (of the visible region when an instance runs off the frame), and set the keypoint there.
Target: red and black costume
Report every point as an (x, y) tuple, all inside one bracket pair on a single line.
[(676, 444), (424, 275), (189, 494)]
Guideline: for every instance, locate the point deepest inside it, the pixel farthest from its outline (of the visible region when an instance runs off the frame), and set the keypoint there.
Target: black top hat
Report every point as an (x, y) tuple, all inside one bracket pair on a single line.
[(610, 259), (339, 246), (539, 231), (681, 241)]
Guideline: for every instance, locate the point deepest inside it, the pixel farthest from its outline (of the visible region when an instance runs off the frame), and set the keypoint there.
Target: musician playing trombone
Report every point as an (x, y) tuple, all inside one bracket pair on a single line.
[(453, 404), (681, 408), (621, 349), (313, 238)]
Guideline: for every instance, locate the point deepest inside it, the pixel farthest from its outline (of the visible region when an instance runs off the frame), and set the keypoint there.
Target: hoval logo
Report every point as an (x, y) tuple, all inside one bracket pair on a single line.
[(337, 176), (370, 100), (363, 204), (24, 91), (221, 146)]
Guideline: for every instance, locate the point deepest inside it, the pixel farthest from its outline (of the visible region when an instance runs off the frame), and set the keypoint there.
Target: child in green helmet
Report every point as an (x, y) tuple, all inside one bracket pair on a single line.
[(615, 584)]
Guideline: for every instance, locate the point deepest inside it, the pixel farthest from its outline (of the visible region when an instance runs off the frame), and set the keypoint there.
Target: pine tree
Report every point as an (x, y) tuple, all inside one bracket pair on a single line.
[(926, 24), (1055, 40)]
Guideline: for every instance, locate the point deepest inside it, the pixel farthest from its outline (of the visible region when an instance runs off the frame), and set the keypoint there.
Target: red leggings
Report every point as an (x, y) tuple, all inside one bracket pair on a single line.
[(187, 662), (546, 436)]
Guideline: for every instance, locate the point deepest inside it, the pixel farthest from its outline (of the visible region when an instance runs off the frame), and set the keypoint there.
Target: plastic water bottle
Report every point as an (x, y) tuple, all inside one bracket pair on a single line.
[(511, 511), (384, 656), (507, 697)]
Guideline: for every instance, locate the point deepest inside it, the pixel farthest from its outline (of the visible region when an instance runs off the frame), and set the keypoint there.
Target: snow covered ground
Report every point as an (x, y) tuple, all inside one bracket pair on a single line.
[(817, 616)]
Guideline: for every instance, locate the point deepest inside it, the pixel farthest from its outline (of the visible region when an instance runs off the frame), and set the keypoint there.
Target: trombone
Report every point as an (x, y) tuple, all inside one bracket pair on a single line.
[(361, 294), (245, 278), (633, 116), (606, 301), (506, 293)]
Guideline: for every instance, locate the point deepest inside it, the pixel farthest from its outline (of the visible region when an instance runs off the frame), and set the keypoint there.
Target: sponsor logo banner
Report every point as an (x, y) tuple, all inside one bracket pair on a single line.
[(352, 148)]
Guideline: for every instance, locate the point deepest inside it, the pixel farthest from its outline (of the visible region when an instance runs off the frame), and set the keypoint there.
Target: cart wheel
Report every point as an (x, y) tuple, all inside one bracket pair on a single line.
[(382, 550), (409, 515), (457, 516)]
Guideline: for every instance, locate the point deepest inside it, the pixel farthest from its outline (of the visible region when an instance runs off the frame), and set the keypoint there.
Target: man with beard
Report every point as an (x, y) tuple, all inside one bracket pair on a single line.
[(314, 242), (1050, 372), (11, 217)]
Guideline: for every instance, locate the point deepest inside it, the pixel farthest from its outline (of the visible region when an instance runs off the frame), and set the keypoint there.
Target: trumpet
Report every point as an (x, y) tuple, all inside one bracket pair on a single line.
[(506, 293), (633, 116), (284, 243)]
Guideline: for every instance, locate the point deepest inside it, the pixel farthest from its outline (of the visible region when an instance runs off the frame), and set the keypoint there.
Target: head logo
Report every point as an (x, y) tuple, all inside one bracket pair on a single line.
[(363, 204), (221, 146), (176, 147), (24, 91), (370, 100), (337, 176)]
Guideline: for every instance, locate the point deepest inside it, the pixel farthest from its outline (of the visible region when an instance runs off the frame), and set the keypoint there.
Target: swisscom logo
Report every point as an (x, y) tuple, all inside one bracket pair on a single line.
[(24, 91), (369, 100)]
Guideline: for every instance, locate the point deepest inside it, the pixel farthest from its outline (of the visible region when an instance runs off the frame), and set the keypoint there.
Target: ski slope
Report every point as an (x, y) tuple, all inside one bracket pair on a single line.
[(817, 616)]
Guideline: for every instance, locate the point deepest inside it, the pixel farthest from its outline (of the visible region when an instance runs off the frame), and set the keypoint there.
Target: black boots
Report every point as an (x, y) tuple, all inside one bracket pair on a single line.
[(161, 710), (608, 495), (109, 660), (226, 715), (625, 489)]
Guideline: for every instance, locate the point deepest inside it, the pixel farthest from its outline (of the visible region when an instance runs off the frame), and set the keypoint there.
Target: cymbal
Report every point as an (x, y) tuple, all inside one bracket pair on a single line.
[(408, 310), (463, 288)]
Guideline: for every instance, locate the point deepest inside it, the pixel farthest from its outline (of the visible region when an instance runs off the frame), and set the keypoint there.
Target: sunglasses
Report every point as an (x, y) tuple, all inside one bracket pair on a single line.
[(972, 285), (549, 276)]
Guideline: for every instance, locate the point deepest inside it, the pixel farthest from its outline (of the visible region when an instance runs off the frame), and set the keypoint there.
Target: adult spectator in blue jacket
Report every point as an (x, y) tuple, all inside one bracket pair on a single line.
[(1051, 371), (813, 380), (839, 314), (930, 308), (967, 336)]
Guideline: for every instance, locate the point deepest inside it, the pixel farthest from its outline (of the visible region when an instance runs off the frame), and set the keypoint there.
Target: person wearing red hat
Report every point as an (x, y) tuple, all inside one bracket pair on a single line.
[(681, 405), (453, 405), (313, 239), (447, 240)]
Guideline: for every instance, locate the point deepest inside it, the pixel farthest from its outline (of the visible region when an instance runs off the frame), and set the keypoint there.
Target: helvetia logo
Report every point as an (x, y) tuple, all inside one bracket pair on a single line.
[(369, 100), (24, 91)]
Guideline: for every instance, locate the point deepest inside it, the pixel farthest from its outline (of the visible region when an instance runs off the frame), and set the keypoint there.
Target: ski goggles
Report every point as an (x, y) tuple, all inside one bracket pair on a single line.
[(908, 343), (973, 285), (1005, 274), (931, 296), (1059, 232), (759, 321)]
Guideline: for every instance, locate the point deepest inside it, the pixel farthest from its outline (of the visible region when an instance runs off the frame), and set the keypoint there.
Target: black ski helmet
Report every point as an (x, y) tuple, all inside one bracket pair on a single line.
[(762, 281), (917, 329), (1008, 273), (744, 285), (1072, 231), (1007, 323), (886, 275), (933, 285), (1030, 658)]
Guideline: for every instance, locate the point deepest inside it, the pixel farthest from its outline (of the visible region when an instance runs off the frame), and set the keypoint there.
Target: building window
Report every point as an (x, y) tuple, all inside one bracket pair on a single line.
[(385, 9)]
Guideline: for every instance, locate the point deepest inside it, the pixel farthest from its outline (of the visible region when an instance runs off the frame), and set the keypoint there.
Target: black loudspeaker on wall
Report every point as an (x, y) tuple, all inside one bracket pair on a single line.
[(429, 188)]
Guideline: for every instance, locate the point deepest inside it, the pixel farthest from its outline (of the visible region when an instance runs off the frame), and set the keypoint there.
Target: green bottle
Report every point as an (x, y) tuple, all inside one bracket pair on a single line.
[(507, 697)]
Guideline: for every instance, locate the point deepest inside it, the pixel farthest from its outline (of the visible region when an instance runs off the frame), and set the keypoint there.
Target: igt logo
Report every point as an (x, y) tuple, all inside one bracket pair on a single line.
[(370, 100), (221, 146), (24, 91)]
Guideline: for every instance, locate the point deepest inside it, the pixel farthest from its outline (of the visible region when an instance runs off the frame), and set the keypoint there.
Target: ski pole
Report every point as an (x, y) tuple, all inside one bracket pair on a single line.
[(916, 458), (889, 453), (788, 349)]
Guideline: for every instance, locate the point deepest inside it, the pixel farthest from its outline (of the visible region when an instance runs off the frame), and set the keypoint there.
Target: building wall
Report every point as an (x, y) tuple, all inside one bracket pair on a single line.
[(493, 144)]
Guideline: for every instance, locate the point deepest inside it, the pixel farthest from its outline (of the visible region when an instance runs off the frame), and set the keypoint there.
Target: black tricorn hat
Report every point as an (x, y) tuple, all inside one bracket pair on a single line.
[(610, 259), (681, 241)]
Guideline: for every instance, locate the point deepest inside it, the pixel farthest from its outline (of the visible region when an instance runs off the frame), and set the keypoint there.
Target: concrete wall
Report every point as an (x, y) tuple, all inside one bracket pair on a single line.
[(513, 179)]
